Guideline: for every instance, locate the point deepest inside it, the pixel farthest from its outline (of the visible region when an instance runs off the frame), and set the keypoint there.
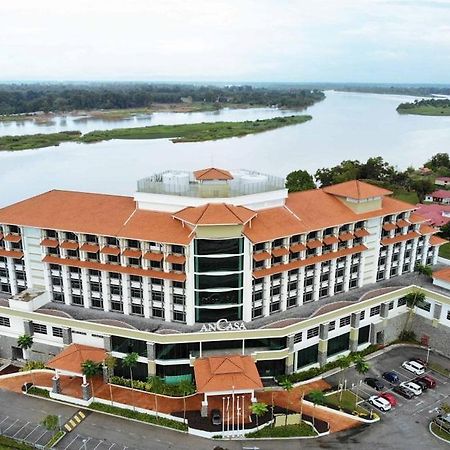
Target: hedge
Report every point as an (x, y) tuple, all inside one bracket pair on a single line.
[(154, 385)]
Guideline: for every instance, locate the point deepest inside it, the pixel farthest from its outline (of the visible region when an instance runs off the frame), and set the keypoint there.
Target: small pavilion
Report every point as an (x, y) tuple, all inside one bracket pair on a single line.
[(69, 363), (231, 379)]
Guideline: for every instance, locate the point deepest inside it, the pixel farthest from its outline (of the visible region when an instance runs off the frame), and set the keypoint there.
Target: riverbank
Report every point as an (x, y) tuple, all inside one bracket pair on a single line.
[(196, 132), (433, 107)]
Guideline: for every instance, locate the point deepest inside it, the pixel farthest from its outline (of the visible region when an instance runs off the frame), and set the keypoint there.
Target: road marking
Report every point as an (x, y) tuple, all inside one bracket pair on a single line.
[(43, 434), (34, 429), (4, 431), (4, 419), (71, 442), (20, 429), (81, 414), (100, 442)]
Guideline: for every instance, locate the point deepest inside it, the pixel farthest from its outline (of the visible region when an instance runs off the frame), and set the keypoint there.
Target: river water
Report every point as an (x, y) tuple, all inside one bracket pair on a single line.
[(344, 126)]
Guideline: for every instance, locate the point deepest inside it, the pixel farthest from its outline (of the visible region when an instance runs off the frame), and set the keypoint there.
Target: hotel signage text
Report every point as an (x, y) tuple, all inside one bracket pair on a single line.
[(223, 325)]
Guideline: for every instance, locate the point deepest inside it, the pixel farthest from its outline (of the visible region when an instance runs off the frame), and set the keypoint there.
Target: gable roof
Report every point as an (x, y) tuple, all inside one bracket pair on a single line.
[(434, 213), (356, 189), (443, 274), (226, 373), (440, 193), (215, 214), (212, 173), (73, 356)]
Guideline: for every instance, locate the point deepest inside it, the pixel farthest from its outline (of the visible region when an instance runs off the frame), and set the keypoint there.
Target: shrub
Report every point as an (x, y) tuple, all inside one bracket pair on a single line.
[(156, 385), (162, 421), (30, 365), (39, 392), (50, 422), (408, 336)]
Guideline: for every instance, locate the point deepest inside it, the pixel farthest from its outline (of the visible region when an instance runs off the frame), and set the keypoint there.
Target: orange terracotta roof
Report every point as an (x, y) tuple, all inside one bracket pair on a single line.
[(226, 373), (12, 238), (273, 223), (416, 218), (215, 214), (306, 262), (329, 240), (176, 259), (11, 253), (73, 356), (277, 252), (443, 274), (212, 173), (389, 226), (90, 248), (314, 243), (115, 251), (295, 248), (261, 256), (52, 243), (362, 232), (153, 256), (427, 229), (346, 236), (69, 245), (116, 268), (356, 189), (402, 223), (436, 240), (132, 253), (400, 238)]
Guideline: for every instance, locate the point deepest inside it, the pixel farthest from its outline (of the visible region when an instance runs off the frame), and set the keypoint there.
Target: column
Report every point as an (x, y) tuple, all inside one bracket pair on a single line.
[(56, 383), (323, 344), (151, 356), (204, 410), (67, 336), (384, 310), (316, 281), (125, 294), (107, 343), (437, 311), (354, 331), (28, 327), (86, 389), (290, 358)]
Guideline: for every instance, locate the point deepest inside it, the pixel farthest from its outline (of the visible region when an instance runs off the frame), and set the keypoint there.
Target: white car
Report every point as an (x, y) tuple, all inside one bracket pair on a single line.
[(414, 367), (380, 403), (413, 387)]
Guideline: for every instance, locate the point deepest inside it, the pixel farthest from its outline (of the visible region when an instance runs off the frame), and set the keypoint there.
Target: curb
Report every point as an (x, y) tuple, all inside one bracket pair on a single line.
[(435, 435)]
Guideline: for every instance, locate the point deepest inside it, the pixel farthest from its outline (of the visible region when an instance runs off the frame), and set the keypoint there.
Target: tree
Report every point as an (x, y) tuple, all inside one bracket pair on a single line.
[(287, 385), (424, 270), (110, 363), (361, 365), (422, 186), (317, 398), (186, 388), (299, 180), (343, 363), (90, 369), (445, 231), (438, 160), (258, 409), (130, 361), (413, 299), (25, 342)]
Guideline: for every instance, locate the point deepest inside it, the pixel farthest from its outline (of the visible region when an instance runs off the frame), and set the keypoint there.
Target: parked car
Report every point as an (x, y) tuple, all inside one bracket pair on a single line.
[(392, 377), (420, 361), (380, 402), (413, 387), (404, 392), (443, 421), (216, 419), (431, 382), (414, 367), (391, 398), (374, 383), (423, 384)]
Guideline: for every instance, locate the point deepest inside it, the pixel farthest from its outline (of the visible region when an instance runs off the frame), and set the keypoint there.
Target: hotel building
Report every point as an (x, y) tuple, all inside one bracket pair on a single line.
[(211, 263)]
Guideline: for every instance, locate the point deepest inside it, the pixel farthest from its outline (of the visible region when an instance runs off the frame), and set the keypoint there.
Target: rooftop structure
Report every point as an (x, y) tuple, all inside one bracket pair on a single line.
[(439, 196), (436, 215)]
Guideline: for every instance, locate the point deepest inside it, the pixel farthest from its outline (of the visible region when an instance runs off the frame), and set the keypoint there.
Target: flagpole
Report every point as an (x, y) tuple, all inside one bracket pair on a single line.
[(232, 414), (228, 413), (223, 415)]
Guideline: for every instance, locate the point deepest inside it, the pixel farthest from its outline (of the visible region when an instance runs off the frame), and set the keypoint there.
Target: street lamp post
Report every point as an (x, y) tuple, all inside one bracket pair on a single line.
[(428, 353)]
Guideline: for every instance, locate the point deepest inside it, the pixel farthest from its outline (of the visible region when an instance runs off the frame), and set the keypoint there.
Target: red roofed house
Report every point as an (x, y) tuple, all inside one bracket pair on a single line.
[(439, 196), (442, 181), (437, 215)]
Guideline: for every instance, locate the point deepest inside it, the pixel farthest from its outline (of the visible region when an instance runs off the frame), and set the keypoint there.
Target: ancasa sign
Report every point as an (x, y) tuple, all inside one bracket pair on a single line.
[(223, 325)]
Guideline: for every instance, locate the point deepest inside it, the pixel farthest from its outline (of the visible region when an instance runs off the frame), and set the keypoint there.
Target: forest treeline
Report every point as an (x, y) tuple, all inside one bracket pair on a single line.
[(434, 102), (29, 98)]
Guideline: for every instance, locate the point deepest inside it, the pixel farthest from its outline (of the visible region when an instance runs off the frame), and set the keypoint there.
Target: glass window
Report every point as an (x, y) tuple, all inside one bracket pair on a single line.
[(213, 315), (218, 281), (231, 264), (218, 298), (217, 247)]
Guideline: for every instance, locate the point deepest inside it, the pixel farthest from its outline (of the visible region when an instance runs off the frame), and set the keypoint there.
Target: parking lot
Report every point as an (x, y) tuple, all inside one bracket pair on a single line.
[(74, 441), (410, 418), (30, 432)]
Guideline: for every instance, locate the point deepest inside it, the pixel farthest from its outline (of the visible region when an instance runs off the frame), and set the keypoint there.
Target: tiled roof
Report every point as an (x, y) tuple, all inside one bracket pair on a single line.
[(436, 240), (427, 229), (72, 358), (440, 193), (400, 238), (212, 173), (215, 214), (434, 213), (11, 253), (443, 274), (356, 189), (226, 373), (443, 179)]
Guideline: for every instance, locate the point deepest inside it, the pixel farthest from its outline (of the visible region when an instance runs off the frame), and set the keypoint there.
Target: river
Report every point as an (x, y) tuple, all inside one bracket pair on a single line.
[(345, 126)]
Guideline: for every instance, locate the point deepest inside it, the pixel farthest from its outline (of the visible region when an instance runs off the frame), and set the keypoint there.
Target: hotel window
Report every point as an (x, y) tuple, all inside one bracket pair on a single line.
[(57, 332), (159, 282), (390, 305), (136, 292), (294, 256), (257, 312), (179, 316), (275, 290), (298, 338), (116, 290), (132, 243), (116, 306), (112, 241), (112, 259), (307, 297), (426, 306), (257, 295), (134, 262), (258, 264), (156, 264), (295, 239), (353, 283), (178, 249), (332, 325), (312, 332), (179, 299), (51, 234), (292, 286), (362, 315), (344, 321), (96, 303), (95, 286), (58, 297), (401, 302), (75, 284), (309, 281), (39, 328), (276, 260), (448, 315), (73, 254), (277, 243), (380, 275), (324, 277), (137, 309), (394, 271), (339, 287), (323, 292), (375, 311), (274, 307), (157, 296), (158, 312), (56, 281), (292, 301), (5, 322), (114, 276), (177, 284), (178, 267), (259, 247), (69, 236), (77, 300), (91, 239), (340, 272)]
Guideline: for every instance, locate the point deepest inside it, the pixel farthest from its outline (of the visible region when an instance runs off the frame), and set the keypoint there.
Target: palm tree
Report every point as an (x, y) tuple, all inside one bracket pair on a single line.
[(90, 369), (424, 270), (187, 388), (130, 361), (287, 385), (317, 398), (258, 409), (343, 364), (25, 342), (362, 367), (110, 363), (413, 299)]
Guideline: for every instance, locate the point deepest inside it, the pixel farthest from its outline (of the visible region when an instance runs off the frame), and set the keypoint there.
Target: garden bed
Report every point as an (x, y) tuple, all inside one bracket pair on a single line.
[(296, 430)]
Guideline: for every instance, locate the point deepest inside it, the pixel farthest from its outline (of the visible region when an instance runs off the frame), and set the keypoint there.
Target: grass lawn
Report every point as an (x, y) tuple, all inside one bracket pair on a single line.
[(407, 196), (301, 429), (438, 368), (444, 251), (7, 443), (426, 110), (441, 433), (347, 402)]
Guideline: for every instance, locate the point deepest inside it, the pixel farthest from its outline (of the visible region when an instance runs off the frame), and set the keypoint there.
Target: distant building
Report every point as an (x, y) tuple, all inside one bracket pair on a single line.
[(442, 181), (437, 215), (425, 171), (439, 196)]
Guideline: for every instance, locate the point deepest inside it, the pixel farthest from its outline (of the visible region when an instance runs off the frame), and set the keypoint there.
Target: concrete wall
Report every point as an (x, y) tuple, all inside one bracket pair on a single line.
[(39, 352)]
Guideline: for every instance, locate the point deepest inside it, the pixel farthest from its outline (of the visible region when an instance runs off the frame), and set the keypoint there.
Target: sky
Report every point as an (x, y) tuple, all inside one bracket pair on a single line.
[(392, 41)]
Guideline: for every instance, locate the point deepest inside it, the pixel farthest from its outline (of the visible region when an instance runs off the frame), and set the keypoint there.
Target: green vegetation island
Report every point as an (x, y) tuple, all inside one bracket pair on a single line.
[(36, 100), (195, 132), (428, 107)]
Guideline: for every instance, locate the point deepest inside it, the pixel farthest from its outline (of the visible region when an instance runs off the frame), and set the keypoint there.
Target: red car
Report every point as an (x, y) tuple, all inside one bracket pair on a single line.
[(430, 381), (390, 398)]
